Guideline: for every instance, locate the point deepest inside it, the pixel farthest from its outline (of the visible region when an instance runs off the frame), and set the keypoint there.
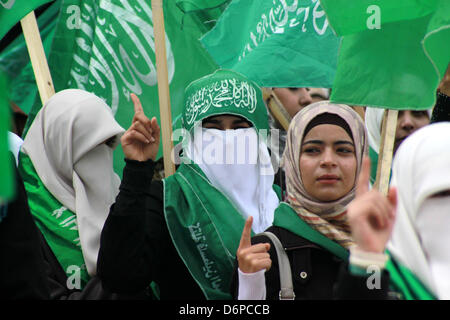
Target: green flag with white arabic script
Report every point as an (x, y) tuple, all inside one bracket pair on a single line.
[(275, 43), (12, 11), (7, 182), (393, 53), (107, 47)]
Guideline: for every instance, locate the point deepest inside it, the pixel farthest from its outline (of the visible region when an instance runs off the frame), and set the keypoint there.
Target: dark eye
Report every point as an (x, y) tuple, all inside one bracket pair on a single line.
[(345, 150), (311, 150), (110, 142), (211, 125), (445, 193), (242, 124), (419, 114)]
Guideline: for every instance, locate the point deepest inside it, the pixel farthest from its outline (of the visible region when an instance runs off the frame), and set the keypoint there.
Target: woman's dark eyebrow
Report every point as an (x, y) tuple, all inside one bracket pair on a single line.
[(241, 120), (335, 143), (344, 142), (313, 142), (214, 121)]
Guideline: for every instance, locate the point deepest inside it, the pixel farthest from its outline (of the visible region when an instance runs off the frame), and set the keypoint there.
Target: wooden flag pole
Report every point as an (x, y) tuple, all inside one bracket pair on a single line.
[(37, 56), (163, 86), (389, 127), (361, 111), (276, 108)]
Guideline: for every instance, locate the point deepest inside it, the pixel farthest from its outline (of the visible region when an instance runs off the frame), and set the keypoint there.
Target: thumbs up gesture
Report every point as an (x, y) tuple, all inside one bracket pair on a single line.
[(141, 141), (371, 215), (252, 258)]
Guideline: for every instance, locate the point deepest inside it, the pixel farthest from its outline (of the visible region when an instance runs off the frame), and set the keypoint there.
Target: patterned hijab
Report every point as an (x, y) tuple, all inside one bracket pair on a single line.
[(329, 218)]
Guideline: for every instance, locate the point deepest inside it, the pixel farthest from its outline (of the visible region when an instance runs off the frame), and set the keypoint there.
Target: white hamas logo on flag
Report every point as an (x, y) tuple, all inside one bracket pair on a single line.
[(224, 93)]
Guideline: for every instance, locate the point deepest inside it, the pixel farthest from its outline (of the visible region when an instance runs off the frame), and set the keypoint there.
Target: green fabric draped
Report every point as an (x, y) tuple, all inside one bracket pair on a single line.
[(406, 283), (393, 53), (205, 228), (7, 186), (11, 12), (57, 223), (275, 43), (287, 218)]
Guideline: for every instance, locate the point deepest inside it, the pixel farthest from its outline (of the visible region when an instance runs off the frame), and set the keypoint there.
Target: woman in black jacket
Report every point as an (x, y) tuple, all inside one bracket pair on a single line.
[(317, 227)]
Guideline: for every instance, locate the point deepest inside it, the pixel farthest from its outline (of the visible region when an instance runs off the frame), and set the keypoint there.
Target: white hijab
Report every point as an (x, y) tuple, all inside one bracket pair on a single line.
[(421, 234), (242, 171), (15, 142), (374, 118), (66, 146)]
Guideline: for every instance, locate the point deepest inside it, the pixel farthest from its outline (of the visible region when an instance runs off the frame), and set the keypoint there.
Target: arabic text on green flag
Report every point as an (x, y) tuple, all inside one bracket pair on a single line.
[(275, 43), (107, 47), (393, 53)]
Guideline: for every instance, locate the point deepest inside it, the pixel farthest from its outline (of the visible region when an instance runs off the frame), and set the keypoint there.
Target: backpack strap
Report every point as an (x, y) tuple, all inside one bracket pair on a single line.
[(287, 288)]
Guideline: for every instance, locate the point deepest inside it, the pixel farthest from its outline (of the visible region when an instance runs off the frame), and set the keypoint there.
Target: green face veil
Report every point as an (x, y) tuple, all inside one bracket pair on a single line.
[(224, 92)]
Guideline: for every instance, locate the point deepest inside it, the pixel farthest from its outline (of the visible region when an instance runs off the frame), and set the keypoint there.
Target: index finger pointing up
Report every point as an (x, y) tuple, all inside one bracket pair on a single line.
[(246, 234), (137, 103)]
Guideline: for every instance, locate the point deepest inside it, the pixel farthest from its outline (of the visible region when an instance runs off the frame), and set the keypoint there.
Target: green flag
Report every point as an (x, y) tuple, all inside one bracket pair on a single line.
[(200, 5), (7, 183), (107, 47), (15, 60), (393, 53), (12, 11), (207, 11), (274, 43)]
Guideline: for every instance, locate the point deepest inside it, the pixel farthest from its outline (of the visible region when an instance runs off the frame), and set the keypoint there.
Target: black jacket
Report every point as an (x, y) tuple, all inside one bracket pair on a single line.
[(136, 247), (441, 110), (317, 274), (22, 264)]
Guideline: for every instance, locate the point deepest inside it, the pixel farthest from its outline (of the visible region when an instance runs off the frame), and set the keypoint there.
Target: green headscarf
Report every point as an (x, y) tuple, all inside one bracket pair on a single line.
[(224, 92)]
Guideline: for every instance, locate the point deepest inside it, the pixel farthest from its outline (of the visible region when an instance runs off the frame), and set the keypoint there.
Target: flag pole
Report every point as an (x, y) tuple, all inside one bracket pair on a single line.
[(276, 108), (163, 86), (360, 110), (389, 127), (37, 56)]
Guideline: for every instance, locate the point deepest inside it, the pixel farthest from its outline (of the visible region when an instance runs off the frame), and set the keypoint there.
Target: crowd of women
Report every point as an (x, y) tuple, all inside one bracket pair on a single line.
[(222, 226)]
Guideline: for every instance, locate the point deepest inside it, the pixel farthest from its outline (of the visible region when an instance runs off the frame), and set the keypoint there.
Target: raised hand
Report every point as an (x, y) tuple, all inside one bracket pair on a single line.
[(141, 140), (252, 258), (371, 215)]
